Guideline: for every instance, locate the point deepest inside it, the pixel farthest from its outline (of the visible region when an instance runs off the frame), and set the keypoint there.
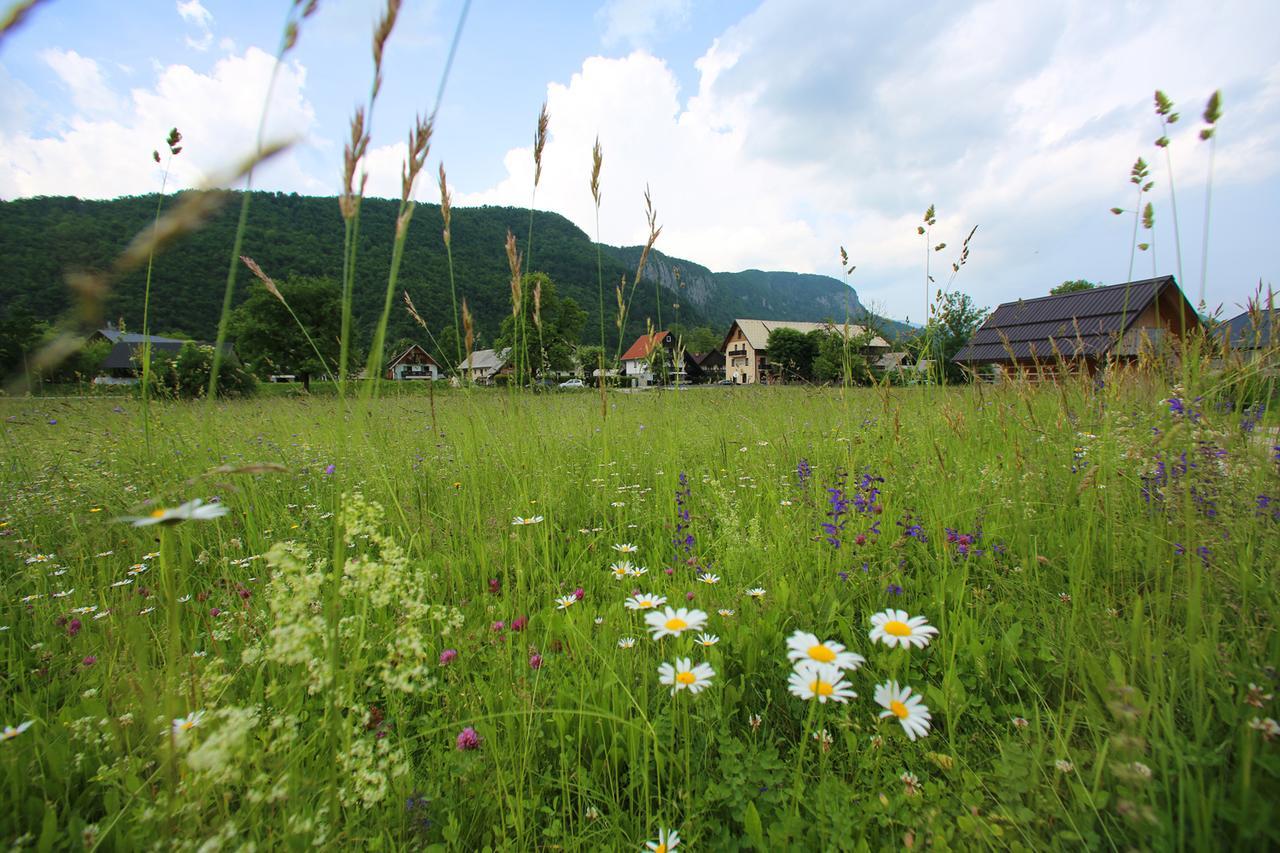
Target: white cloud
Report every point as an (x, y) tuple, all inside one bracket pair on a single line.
[(816, 125), (636, 22), (102, 156), (83, 77), (201, 18)]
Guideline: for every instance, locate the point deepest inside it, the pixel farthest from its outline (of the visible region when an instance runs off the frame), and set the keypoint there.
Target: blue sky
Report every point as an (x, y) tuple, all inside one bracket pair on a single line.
[(770, 133)]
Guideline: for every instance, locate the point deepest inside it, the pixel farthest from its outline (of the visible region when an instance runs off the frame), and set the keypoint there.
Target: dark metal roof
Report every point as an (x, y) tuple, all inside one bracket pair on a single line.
[(1084, 323), (127, 355), (1251, 331)]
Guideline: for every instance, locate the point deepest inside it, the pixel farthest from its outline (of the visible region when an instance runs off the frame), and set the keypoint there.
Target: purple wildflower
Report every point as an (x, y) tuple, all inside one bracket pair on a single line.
[(447, 656), (468, 739)]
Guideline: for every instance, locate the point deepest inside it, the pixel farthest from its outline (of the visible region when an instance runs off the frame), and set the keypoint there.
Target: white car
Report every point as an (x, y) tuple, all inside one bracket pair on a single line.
[(572, 383)]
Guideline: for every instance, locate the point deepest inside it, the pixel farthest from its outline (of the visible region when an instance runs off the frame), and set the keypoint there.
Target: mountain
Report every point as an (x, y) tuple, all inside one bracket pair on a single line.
[(42, 239), (722, 297)]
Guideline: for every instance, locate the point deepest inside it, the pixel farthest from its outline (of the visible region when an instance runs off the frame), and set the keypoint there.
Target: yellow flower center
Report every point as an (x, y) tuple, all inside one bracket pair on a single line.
[(686, 678), (186, 725), (675, 623), (899, 709), (661, 848), (898, 629), (157, 513), (822, 653), (821, 688)]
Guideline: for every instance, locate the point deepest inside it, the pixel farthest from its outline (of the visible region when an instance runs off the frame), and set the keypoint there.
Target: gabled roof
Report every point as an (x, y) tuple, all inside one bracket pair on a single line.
[(412, 348), (486, 359), (116, 336), (644, 345), (757, 331), (1083, 323), (1251, 330)]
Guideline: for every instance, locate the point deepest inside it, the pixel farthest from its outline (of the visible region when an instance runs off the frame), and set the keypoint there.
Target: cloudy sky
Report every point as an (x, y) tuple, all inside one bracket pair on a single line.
[(769, 133)]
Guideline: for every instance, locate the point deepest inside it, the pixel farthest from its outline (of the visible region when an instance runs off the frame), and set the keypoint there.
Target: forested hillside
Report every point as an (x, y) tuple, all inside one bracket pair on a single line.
[(290, 236), (294, 236)]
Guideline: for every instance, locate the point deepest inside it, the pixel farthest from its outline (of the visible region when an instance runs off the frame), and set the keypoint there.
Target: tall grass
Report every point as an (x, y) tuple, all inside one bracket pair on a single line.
[(1091, 613)]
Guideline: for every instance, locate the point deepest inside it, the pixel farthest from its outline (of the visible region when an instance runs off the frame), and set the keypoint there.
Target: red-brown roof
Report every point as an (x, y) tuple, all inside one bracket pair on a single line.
[(643, 346)]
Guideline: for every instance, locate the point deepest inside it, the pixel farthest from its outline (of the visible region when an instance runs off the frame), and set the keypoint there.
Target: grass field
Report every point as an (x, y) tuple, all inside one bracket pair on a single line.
[(365, 651)]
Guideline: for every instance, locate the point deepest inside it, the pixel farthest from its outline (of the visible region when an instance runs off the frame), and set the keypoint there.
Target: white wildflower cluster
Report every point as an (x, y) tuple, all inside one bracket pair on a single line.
[(220, 756), (297, 636), (368, 767)]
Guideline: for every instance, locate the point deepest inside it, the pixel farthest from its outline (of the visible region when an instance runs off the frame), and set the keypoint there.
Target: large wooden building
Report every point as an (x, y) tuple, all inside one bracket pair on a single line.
[(1080, 331)]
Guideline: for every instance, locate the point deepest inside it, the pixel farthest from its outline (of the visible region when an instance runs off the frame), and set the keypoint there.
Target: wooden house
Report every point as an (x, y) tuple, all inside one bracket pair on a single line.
[(413, 363), (652, 359), (1081, 331)]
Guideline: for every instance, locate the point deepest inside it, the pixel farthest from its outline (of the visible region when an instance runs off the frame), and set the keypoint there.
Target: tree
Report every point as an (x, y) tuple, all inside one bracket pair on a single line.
[(185, 375), (948, 331), (792, 353), (698, 338), (272, 341), (838, 360), (552, 346), (1072, 287)]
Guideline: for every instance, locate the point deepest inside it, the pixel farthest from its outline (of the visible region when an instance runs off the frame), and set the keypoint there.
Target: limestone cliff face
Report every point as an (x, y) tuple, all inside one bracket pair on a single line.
[(721, 297)]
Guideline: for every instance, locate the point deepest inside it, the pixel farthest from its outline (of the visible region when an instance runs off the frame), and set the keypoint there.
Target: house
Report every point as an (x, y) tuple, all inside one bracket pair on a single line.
[(485, 365), (711, 363), (112, 335), (123, 364), (746, 345), (413, 363), (643, 365), (1251, 333), (1080, 331)]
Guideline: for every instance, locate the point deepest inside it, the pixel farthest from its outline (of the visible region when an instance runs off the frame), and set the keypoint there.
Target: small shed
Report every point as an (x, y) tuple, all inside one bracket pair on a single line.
[(413, 363), (1251, 332)]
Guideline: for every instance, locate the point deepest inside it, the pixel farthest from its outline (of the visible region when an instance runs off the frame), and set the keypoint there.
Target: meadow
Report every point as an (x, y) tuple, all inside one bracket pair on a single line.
[(418, 623)]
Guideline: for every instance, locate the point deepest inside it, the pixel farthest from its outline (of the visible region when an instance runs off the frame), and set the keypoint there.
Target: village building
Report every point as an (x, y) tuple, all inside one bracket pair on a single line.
[(643, 365), (123, 364), (1251, 334), (484, 366), (746, 346), (1080, 332), (413, 363)]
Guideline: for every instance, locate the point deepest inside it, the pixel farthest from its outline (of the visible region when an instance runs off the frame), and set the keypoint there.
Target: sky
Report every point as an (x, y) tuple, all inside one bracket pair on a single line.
[(769, 134)]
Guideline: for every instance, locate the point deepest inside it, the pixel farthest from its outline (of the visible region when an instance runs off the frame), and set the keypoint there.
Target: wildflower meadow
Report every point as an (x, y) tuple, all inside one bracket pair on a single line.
[(715, 619)]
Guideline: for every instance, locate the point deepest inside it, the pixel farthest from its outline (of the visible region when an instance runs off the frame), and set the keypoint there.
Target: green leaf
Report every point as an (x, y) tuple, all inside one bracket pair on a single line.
[(751, 824)]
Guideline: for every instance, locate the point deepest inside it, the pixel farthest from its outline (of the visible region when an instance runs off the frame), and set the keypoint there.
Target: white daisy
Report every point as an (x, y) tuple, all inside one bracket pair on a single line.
[(708, 640), (124, 582), (637, 571), (900, 702), (668, 840), (821, 681), (11, 732), (785, 502), (520, 522), (756, 592), (626, 642), (894, 627), (626, 548), (80, 611), (672, 623), (685, 676), (195, 510), (621, 569), (709, 578), (564, 602), (802, 646), (182, 725), (726, 612), (645, 601)]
